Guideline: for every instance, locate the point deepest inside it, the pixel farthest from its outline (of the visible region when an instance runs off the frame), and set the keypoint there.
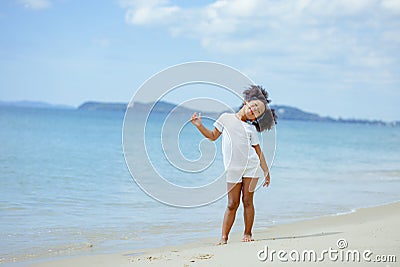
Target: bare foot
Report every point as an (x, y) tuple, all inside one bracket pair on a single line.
[(247, 238), (223, 241)]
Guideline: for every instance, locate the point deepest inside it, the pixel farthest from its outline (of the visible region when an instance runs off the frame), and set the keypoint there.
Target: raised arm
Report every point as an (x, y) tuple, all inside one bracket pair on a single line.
[(211, 135), (263, 165)]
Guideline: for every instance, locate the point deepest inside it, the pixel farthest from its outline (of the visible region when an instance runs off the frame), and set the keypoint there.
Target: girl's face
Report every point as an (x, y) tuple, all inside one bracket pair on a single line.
[(253, 109)]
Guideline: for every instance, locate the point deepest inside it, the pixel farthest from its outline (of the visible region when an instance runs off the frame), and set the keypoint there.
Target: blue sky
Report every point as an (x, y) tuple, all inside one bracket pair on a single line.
[(333, 57)]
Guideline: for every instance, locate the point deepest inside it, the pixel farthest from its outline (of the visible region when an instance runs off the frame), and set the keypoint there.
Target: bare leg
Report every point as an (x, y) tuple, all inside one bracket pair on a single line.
[(249, 185), (234, 191)]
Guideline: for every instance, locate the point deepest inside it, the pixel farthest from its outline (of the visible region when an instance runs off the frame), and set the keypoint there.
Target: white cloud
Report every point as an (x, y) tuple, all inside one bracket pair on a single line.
[(233, 8), (392, 5), (149, 12), (239, 21), (301, 37), (36, 4), (338, 7)]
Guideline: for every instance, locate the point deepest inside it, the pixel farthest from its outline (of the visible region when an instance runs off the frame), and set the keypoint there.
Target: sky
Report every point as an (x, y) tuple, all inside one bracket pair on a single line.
[(337, 58)]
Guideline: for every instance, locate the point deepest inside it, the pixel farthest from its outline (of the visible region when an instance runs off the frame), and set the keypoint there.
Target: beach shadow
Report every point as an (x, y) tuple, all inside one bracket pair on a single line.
[(299, 236)]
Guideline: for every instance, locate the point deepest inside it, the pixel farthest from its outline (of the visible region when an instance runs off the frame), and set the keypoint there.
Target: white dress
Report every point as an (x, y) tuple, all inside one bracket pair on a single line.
[(240, 158)]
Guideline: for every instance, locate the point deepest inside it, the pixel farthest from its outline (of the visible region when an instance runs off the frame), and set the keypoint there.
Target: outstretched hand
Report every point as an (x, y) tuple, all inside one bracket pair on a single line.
[(267, 180), (196, 120)]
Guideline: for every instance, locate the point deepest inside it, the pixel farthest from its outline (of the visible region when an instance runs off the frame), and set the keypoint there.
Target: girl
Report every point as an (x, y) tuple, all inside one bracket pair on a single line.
[(242, 154)]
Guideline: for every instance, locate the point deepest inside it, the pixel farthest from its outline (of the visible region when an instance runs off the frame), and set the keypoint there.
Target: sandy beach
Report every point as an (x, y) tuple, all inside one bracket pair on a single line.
[(369, 236)]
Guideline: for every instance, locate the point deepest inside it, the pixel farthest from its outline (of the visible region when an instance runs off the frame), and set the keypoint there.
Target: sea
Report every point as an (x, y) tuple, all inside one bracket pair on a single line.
[(66, 190)]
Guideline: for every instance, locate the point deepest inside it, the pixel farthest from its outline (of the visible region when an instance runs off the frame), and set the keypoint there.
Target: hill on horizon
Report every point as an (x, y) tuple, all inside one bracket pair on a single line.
[(283, 112)]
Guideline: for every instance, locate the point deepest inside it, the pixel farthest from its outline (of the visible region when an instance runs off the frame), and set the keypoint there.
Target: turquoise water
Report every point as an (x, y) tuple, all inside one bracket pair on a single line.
[(65, 188)]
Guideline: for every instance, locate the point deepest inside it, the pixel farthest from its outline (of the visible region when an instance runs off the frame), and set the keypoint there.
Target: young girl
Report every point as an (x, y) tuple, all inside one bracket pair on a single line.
[(242, 154)]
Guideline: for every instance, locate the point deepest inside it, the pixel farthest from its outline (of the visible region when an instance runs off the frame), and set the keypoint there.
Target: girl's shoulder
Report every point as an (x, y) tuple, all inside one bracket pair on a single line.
[(225, 116)]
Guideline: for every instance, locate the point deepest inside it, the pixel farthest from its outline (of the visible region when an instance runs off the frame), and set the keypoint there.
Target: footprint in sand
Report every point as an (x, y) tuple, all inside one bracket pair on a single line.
[(202, 257)]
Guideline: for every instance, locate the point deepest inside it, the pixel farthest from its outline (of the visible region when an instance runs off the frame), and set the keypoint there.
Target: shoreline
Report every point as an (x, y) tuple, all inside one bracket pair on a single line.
[(372, 228)]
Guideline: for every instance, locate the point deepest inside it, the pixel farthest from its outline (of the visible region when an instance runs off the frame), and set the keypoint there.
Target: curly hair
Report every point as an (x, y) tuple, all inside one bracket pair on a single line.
[(268, 119)]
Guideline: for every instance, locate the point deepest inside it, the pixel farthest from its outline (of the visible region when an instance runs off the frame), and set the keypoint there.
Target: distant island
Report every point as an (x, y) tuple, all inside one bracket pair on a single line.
[(283, 112), (32, 104)]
